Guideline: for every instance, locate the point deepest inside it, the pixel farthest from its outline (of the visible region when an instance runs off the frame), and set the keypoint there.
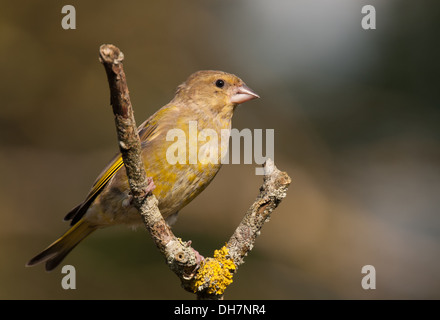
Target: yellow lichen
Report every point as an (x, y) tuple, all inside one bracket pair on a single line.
[(215, 274)]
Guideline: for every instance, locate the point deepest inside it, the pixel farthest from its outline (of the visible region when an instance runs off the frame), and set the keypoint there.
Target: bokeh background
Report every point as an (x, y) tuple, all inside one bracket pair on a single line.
[(356, 116)]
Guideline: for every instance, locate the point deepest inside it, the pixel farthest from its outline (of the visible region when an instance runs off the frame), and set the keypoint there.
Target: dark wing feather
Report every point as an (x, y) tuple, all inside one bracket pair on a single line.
[(145, 130)]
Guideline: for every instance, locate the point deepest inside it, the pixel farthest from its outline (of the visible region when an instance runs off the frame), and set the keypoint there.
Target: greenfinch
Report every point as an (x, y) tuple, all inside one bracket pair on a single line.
[(205, 101)]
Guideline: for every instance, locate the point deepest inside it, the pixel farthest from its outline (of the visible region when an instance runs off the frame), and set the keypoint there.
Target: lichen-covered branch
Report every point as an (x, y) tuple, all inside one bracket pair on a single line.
[(209, 278), (129, 144)]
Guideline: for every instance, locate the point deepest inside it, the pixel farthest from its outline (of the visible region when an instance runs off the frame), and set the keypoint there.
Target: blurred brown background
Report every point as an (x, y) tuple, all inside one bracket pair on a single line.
[(356, 115)]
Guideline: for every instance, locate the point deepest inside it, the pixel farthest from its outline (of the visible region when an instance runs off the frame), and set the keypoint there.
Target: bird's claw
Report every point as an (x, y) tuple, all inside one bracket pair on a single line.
[(151, 186), (199, 258), (128, 201), (191, 271)]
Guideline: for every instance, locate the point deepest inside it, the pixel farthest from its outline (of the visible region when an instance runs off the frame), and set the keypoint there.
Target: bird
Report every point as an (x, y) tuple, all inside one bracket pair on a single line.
[(206, 101)]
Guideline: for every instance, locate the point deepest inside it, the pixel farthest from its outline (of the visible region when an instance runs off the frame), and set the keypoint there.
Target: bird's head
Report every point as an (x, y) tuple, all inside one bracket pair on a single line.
[(217, 90)]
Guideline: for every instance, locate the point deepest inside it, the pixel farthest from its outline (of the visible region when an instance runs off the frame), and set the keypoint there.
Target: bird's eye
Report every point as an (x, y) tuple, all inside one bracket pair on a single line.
[(220, 83)]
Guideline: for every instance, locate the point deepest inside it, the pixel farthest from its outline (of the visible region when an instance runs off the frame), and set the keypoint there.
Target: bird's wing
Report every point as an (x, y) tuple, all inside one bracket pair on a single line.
[(145, 130)]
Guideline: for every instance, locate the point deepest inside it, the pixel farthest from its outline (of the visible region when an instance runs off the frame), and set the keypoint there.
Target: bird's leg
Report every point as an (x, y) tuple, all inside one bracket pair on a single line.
[(128, 201)]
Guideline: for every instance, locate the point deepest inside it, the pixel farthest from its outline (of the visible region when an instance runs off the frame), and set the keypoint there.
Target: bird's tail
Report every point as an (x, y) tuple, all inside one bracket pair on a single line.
[(57, 251)]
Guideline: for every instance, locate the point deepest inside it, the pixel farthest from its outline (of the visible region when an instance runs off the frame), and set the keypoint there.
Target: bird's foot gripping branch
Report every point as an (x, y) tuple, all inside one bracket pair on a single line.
[(144, 180)]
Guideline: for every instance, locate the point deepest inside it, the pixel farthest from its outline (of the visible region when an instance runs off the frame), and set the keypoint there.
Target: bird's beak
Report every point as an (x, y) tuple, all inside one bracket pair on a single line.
[(243, 94)]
